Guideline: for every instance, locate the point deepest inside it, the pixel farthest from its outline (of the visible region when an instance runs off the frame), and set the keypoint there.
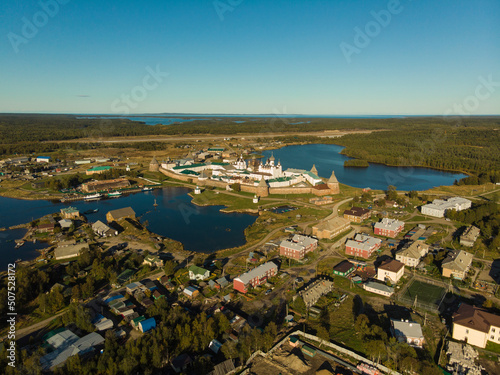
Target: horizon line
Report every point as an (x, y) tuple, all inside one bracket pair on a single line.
[(169, 114)]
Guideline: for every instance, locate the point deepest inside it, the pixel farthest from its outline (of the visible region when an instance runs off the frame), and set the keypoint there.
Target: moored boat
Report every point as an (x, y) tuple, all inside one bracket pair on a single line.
[(92, 196)]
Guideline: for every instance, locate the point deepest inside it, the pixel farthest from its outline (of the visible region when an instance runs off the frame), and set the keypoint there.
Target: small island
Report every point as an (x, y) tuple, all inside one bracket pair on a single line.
[(358, 163)]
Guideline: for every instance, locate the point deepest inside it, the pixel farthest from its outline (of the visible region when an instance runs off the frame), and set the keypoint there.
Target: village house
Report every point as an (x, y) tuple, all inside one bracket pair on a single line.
[(65, 223), (198, 273), (357, 214), (382, 289), (70, 251), (121, 213), (298, 246), (469, 236), (407, 332), (388, 227), (70, 213), (344, 268), (362, 245), (330, 228), (255, 277), (153, 260), (476, 326), (45, 228), (191, 292), (147, 325), (457, 264), (391, 270), (103, 230), (412, 253)]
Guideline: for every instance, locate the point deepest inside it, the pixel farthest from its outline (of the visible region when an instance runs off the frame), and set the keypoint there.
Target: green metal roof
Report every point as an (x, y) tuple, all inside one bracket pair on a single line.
[(138, 319), (96, 169), (312, 175), (187, 171), (69, 210), (197, 270)]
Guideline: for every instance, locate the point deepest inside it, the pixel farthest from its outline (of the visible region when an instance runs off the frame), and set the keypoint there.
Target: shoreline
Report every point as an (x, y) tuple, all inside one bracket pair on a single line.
[(369, 162)]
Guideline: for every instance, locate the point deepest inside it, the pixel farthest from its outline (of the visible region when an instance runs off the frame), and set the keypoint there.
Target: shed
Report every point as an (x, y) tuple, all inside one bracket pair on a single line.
[(306, 349), (147, 325), (215, 346), (135, 322)]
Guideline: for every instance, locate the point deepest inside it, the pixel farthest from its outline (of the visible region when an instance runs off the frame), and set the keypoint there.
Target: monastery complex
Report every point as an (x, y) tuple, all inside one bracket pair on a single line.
[(254, 176)]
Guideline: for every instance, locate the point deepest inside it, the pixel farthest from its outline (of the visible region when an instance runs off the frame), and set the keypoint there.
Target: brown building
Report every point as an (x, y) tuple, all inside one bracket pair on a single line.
[(330, 228), (70, 213), (121, 213), (95, 186), (45, 228), (357, 214)]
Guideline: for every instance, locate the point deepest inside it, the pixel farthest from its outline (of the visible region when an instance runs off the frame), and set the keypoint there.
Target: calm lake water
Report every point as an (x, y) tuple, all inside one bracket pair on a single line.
[(376, 176), (203, 229), (148, 120), (206, 229), (158, 119)]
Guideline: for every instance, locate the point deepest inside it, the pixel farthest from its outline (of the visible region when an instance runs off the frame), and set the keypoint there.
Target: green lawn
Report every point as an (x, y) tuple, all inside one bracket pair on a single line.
[(493, 347), (208, 197)]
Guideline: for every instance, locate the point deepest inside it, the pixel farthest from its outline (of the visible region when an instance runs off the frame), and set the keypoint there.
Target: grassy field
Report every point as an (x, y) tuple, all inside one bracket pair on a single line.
[(464, 190), (426, 293), (208, 197)]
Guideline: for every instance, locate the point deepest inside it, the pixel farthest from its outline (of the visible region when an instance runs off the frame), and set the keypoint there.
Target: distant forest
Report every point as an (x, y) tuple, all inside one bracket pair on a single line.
[(467, 144)]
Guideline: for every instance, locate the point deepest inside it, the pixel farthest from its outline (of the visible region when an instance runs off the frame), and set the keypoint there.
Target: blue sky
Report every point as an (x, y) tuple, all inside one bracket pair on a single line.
[(250, 56)]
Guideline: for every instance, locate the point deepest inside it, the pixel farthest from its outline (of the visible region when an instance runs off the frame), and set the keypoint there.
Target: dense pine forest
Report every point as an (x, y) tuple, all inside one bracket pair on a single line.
[(468, 144)]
